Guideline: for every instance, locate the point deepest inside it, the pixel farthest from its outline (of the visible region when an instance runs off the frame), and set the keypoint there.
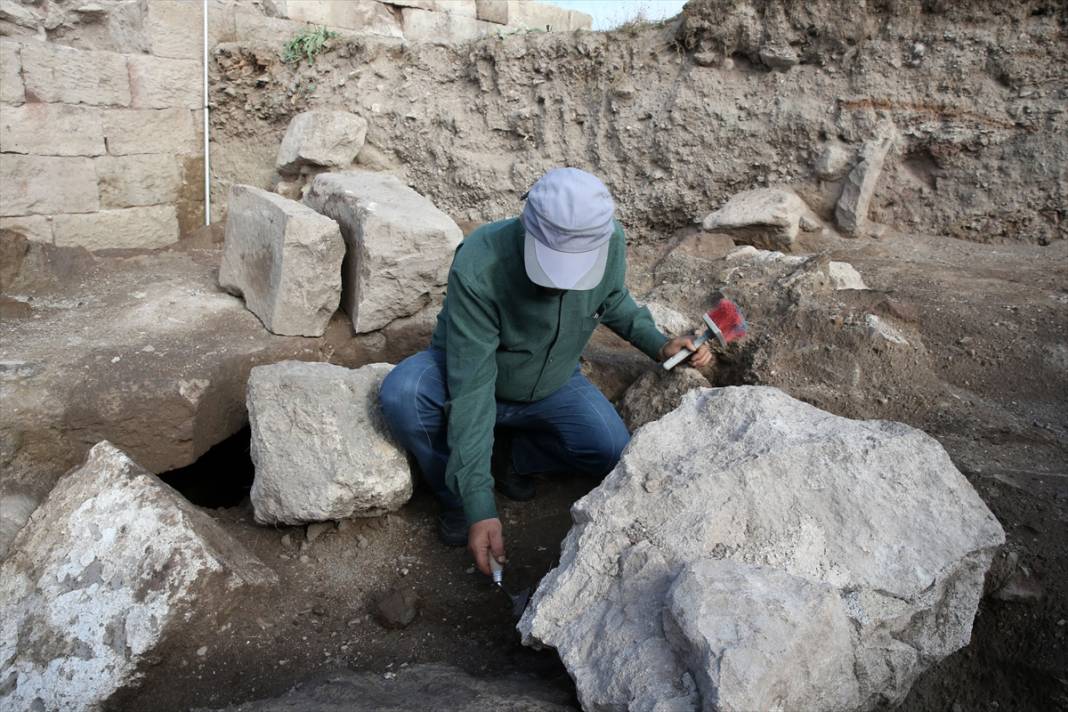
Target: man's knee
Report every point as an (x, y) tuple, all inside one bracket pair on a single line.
[(407, 396), (607, 448)]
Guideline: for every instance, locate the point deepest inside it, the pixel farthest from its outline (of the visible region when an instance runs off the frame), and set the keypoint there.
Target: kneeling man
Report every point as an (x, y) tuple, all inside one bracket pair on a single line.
[(524, 296)]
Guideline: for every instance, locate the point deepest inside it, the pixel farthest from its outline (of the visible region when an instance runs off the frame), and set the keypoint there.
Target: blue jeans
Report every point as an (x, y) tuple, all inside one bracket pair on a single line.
[(574, 430)]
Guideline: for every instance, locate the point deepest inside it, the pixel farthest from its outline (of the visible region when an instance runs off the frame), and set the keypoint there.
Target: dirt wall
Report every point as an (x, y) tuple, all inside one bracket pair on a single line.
[(678, 116)]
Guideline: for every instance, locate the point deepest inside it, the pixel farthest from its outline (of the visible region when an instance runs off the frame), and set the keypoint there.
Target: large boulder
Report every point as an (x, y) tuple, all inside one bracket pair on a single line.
[(114, 572), (851, 211), (320, 445), (399, 245), (284, 259), (768, 218), (327, 139), (751, 551)]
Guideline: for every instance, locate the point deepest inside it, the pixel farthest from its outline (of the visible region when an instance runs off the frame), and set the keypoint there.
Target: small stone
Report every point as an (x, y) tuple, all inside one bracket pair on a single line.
[(202, 651), (304, 558), (361, 541), (328, 139), (397, 608), (316, 530), (287, 540)]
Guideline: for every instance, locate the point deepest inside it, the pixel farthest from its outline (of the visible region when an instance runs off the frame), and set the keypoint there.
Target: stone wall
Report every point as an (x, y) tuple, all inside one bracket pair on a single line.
[(101, 103)]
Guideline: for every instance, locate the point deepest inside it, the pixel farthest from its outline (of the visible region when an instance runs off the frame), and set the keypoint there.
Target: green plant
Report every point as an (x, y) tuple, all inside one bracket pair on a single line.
[(308, 44)]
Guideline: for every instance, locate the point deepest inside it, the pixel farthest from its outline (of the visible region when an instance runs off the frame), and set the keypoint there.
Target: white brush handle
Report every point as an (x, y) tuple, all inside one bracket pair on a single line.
[(685, 353)]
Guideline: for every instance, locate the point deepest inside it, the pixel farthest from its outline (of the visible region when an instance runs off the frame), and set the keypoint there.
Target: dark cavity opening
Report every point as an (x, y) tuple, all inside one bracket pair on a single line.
[(221, 477)]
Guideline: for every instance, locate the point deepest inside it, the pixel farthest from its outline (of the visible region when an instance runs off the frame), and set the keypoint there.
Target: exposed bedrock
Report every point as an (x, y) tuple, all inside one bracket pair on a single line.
[(115, 572), (320, 445), (677, 118), (751, 551)]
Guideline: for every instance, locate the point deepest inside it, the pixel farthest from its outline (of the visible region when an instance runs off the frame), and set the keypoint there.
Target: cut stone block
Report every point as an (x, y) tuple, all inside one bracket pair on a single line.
[(131, 181), (162, 83), (11, 91), (768, 218), (133, 131), (173, 28), (538, 16), (439, 27), (51, 130), (398, 245), (144, 228), (46, 185), (371, 18), (37, 228), (495, 11), (284, 259), (114, 572), (751, 551), (851, 212), (320, 445), (57, 74), (330, 139)]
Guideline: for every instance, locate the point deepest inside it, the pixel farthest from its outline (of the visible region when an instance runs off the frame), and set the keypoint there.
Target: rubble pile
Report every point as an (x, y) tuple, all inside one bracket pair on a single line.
[(754, 552)]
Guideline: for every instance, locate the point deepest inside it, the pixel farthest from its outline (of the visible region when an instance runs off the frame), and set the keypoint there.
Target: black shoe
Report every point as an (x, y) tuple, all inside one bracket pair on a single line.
[(515, 486), (452, 527)]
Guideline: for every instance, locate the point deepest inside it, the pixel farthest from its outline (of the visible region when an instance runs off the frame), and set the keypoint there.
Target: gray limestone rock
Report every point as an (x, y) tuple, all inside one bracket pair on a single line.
[(751, 551), (768, 218), (851, 212), (330, 139), (320, 446), (671, 321), (399, 246), (112, 571), (284, 259)]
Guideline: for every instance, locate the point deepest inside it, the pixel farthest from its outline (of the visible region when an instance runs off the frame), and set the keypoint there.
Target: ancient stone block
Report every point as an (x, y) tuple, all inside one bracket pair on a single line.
[(330, 139), (46, 185), (37, 228), (130, 181), (672, 322), (536, 16), (51, 130), (320, 445), (162, 83), (114, 569), (464, 8), (439, 27), (57, 74), (147, 227), (495, 11), (173, 28), (851, 212), (768, 218), (132, 131), (579, 20), (11, 91), (755, 552), (363, 17), (284, 259), (398, 245)]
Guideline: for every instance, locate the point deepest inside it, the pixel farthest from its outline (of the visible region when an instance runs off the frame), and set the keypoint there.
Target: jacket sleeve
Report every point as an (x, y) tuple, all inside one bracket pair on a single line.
[(472, 336), (633, 323)]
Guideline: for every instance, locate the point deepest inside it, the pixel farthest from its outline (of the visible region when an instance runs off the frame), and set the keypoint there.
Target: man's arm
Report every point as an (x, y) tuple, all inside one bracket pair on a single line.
[(472, 336)]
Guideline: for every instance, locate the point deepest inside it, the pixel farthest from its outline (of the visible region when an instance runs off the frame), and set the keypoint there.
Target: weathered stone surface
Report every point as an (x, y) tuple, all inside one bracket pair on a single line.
[(37, 228), (658, 392), (284, 259), (321, 448), (845, 276), (17, 509), (397, 608), (109, 568), (365, 17), (163, 83), (57, 74), (672, 322), (47, 184), (132, 181), (134, 131), (173, 28), (851, 212), (495, 11), (51, 130), (146, 227), (538, 16), (755, 552), (11, 91), (442, 688), (399, 246), (765, 217), (330, 139), (833, 162), (439, 27)]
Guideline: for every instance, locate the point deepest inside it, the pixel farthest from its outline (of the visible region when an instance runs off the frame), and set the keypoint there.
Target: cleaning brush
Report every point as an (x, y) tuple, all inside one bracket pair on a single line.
[(724, 320)]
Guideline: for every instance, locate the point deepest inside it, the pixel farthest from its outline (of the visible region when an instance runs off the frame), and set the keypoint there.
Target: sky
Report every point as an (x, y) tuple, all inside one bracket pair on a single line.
[(612, 13)]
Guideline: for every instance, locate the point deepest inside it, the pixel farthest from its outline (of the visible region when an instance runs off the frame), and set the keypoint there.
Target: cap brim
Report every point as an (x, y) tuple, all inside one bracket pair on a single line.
[(564, 270)]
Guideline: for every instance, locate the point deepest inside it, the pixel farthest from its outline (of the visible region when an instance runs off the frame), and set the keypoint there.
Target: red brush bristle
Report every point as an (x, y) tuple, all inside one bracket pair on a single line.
[(730, 320)]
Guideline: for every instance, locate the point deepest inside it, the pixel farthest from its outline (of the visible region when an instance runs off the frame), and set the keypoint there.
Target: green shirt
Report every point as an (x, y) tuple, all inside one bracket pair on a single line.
[(506, 338)]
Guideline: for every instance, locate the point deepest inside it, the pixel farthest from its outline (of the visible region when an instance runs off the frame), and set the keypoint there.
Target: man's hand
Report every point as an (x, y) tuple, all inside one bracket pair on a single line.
[(702, 358), (484, 539)]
